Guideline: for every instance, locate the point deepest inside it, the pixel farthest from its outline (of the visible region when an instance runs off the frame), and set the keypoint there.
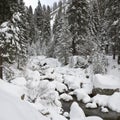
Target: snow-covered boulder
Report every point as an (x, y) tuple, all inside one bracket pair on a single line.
[(82, 95), (72, 82), (91, 105), (114, 102), (106, 82), (93, 118), (66, 97), (60, 87), (76, 113)]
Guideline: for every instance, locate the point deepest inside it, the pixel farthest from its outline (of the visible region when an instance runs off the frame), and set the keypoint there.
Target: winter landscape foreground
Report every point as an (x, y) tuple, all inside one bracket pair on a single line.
[(38, 91), (60, 62)]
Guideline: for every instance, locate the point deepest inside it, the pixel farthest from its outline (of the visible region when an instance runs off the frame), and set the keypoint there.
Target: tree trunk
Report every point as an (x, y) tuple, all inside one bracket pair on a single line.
[(74, 52), (1, 61), (114, 52), (106, 49), (119, 59)]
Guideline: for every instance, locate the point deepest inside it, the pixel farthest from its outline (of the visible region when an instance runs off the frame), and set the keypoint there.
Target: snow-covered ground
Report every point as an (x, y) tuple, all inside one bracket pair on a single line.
[(44, 83), (13, 108)]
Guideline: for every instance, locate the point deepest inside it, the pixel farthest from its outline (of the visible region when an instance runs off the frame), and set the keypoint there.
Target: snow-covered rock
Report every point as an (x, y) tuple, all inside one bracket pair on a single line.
[(66, 97), (101, 100), (106, 81), (60, 87), (93, 118), (82, 95), (72, 82), (91, 105), (76, 113), (104, 110), (114, 102)]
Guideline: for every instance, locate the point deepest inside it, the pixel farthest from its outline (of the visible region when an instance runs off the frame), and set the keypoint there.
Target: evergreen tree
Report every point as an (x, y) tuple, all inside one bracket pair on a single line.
[(54, 6), (38, 15), (113, 17), (60, 47), (31, 25), (46, 29), (78, 20), (14, 35), (5, 14)]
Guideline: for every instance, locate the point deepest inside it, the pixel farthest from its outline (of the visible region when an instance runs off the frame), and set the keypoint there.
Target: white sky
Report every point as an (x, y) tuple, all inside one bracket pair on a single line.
[(34, 2)]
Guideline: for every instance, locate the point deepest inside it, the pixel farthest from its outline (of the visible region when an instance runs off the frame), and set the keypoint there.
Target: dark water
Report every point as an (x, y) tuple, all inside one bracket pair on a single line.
[(92, 112)]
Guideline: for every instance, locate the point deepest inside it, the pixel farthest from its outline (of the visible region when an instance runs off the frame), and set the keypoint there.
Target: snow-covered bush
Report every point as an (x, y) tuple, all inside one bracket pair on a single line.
[(8, 74), (32, 75), (99, 62), (78, 62), (43, 91)]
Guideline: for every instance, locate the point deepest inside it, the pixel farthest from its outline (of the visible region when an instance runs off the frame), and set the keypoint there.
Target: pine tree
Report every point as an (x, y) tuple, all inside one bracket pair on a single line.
[(60, 47), (46, 29), (78, 20), (14, 34), (54, 6), (113, 15), (5, 14), (38, 15), (31, 25)]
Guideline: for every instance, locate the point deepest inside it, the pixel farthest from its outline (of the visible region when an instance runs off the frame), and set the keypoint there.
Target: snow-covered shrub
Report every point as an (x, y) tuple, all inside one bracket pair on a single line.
[(32, 75), (8, 72), (43, 91), (99, 62), (78, 62)]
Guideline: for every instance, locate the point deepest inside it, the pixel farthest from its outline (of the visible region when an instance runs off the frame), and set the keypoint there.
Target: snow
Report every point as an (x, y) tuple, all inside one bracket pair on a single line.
[(106, 81), (82, 95), (104, 110), (66, 114), (72, 81), (32, 75), (60, 87), (20, 81), (91, 105), (46, 81), (115, 22), (112, 102), (77, 61), (12, 108), (93, 118), (76, 113), (101, 100), (66, 97), (12, 89)]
